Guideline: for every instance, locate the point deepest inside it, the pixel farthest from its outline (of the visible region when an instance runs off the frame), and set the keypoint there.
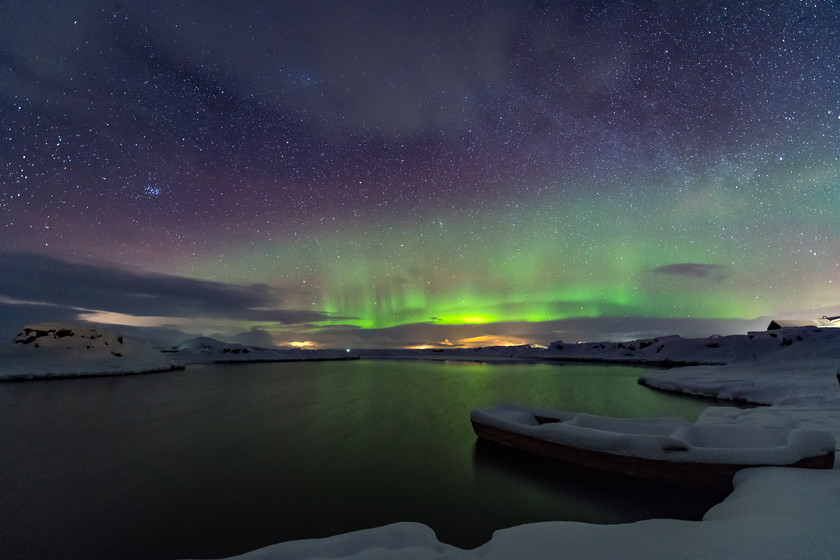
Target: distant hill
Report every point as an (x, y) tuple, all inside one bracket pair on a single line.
[(46, 350), (206, 350)]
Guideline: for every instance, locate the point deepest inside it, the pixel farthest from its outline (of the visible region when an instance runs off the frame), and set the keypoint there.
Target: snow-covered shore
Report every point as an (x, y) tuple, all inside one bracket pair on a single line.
[(772, 512), (51, 350), (76, 349), (760, 346)]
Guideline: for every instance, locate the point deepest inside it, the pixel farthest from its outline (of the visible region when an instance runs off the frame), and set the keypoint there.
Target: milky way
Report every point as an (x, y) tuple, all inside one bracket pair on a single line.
[(378, 166)]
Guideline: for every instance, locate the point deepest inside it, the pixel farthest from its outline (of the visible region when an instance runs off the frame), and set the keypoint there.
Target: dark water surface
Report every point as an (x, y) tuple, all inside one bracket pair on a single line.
[(218, 460)]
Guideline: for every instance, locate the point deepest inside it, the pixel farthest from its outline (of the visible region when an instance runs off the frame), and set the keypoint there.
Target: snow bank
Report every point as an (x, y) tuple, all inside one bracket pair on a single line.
[(794, 364), (49, 350), (761, 346), (772, 513), (206, 350), (404, 540), (806, 380)]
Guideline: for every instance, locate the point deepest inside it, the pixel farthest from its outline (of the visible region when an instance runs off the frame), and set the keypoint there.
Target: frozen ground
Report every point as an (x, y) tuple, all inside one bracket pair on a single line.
[(772, 513), (49, 350)]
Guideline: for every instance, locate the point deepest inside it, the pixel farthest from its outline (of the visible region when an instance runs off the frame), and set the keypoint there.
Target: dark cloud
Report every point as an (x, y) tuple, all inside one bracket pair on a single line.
[(40, 288), (254, 337), (65, 284), (693, 270)]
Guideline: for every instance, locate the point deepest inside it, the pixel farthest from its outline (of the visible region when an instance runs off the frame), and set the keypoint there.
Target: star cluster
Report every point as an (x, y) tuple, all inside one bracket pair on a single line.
[(383, 165)]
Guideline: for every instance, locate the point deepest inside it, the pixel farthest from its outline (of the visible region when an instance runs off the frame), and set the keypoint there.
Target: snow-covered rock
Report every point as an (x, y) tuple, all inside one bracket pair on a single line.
[(75, 350), (206, 350)]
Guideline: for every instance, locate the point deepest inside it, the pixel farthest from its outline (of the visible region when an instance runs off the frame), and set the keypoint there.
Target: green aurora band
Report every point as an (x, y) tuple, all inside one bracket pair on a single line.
[(710, 255)]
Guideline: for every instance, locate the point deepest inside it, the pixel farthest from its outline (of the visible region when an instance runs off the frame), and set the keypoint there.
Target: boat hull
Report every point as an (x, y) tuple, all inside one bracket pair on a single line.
[(703, 474)]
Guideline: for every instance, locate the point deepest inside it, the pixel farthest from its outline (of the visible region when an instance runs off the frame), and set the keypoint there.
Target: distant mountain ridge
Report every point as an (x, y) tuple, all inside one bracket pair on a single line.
[(204, 350)]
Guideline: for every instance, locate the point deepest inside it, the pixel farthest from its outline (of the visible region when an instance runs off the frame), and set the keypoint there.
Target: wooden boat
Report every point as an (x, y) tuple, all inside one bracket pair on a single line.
[(664, 449)]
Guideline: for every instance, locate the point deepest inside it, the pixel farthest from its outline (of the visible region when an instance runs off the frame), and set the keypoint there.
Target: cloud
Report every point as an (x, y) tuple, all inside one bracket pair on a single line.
[(27, 278), (168, 309), (693, 270), (254, 337)]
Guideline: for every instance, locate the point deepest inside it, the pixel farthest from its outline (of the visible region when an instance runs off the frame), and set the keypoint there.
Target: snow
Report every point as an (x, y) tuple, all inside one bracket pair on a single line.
[(773, 512), (635, 438), (671, 439), (812, 379), (47, 350), (77, 349), (792, 343), (206, 350), (815, 416)]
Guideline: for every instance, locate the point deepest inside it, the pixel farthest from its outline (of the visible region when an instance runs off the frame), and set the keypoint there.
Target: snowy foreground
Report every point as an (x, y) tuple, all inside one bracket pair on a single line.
[(773, 512)]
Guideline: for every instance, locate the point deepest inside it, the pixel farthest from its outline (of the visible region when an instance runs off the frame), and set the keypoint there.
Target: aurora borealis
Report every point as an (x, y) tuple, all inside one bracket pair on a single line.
[(390, 173)]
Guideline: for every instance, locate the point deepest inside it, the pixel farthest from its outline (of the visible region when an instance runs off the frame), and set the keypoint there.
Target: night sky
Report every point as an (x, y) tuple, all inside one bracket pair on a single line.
[(409, 173)]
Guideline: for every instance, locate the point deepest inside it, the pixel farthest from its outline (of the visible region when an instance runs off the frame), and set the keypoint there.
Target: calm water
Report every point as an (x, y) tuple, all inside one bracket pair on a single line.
[(217, 460)]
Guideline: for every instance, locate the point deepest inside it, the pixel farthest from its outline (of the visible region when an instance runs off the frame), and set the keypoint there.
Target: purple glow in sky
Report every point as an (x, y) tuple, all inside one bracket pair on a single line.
[(403, 174)]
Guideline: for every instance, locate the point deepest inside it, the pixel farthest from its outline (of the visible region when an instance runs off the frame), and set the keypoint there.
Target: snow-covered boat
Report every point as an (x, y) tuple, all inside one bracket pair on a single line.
[(666, 449)]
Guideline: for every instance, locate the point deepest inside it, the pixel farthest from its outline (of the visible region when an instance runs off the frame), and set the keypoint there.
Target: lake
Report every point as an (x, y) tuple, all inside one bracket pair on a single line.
[(221, 459)]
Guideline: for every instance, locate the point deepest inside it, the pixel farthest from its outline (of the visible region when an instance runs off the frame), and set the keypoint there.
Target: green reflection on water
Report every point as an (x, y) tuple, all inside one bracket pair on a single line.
[(217, 460)]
